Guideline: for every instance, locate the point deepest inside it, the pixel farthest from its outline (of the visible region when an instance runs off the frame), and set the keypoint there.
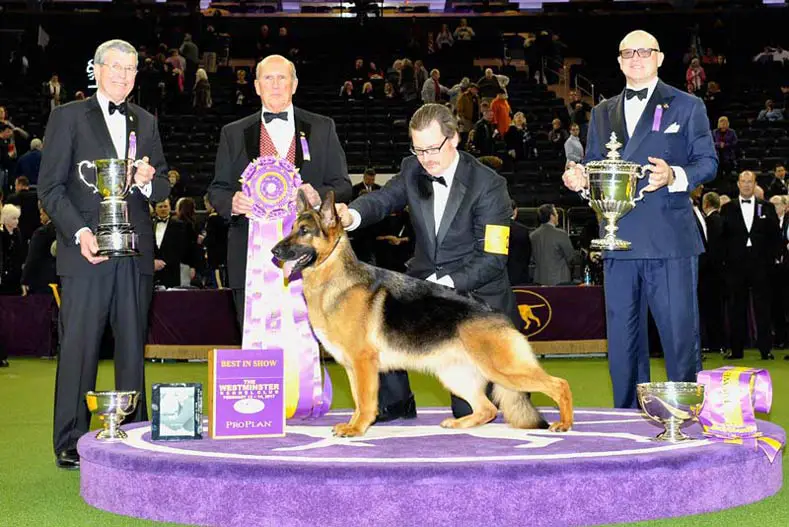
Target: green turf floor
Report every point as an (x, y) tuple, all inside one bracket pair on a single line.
[(33, 492)]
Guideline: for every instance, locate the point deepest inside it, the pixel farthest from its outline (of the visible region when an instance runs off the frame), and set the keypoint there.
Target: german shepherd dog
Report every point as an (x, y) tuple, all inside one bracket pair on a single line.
[(372, 320)]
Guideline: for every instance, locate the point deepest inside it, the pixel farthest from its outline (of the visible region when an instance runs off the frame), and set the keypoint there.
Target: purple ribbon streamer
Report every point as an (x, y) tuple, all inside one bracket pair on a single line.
[(133, 146), (657, 118), (305, 148), (732, 396)]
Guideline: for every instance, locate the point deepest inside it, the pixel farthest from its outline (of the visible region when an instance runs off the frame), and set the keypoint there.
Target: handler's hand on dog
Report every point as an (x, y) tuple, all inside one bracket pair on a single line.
[(574, 177), (312, 195), (660, 174), (342, 211), (242, 204)]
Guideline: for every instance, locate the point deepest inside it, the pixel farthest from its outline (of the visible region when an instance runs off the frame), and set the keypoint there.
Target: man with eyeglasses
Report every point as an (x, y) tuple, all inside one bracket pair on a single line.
[(460, 213), (95, 288), (667, 129)]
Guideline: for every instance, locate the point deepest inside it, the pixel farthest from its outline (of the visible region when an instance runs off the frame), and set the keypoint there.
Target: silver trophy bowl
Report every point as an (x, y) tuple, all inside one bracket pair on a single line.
[(114, 234), (672, 404), (612, 193), (111, 407)]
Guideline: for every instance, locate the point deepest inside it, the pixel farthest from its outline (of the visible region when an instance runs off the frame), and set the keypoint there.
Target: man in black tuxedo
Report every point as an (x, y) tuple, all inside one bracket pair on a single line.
[(278, 130), (520, 250), (752, 241), (460, 212), (39, 270), (171, 246), (712, 285), (95, 287), (777, 185), (779, 281), (368, 183)]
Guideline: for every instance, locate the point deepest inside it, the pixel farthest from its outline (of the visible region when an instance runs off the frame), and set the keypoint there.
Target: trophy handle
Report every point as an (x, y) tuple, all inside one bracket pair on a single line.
[(132, 166), (89, 164), (642, 174)]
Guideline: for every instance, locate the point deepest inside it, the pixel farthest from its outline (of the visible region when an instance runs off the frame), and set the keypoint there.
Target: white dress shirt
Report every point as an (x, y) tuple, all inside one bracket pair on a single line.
[(440, 197), (700, 217), (159, 232), (634, 107), (281, 132), (748, 213)]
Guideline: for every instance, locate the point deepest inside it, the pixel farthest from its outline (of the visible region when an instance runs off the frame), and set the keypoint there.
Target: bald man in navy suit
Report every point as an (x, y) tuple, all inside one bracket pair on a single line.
[(667, 129)]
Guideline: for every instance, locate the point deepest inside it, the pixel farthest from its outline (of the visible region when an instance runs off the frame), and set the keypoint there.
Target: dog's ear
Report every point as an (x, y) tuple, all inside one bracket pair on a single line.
[(302, 202), (328, 212)]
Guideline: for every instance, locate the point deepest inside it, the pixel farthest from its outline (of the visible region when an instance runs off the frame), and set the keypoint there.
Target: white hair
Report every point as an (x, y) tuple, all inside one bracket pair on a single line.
[(9, 212), (276, 57), (115, 44)]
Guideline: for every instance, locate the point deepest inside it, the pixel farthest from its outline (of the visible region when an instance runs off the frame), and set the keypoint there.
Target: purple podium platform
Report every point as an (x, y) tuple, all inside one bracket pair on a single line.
[(606, 470)]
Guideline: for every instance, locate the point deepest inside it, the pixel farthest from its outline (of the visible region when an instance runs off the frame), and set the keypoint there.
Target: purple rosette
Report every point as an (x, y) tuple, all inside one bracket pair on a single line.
[(272, 183)]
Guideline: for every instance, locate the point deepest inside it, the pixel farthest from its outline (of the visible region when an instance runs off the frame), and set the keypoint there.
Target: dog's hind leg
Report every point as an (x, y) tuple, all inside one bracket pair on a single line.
[(363, 375), (505, 357), (466, 381)]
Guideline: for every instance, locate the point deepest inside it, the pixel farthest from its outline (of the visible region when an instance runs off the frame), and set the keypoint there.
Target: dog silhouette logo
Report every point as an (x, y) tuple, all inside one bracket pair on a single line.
[(534, 309)]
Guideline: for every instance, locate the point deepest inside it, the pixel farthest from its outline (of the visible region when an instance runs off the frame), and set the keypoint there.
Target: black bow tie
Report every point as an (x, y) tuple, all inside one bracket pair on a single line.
[(270, 116), (440, 180), (641, 94), (745, 201), (119, 107), (160, 220)]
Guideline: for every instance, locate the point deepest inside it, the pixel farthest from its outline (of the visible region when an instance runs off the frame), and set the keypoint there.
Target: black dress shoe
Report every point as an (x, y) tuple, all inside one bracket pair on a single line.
[(768, 356), (68, 459), (401, 409), (732, 356), (4, 363)]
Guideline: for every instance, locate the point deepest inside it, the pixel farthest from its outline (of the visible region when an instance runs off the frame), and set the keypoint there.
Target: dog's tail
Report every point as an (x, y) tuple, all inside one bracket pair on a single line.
[(517, 408)]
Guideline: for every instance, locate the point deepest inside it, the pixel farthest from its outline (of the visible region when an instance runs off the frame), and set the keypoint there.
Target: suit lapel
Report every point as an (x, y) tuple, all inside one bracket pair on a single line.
[(99, 127), (616, 116), (302, 129), (132, 123), (456, 194), (425, 203), (661, 95), (252, 139)]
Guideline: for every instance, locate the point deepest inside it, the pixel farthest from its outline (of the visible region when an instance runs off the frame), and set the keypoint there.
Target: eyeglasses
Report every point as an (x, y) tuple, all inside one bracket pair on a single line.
[(117, 68), (420, 152), (644, 53)]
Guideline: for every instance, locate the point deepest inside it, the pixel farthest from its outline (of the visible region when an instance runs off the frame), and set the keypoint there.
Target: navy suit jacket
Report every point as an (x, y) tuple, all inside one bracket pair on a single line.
[(662, 224)]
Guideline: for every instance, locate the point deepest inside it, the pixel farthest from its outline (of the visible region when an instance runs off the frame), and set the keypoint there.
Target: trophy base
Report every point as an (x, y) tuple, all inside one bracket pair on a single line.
[(118, 240), (610, 244), (672, 433), (110, 435)]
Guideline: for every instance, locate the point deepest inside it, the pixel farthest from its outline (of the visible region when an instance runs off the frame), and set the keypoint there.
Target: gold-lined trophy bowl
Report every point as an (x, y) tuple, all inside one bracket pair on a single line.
[(672, 404), (112, 407), (114, 234), (612, 193)]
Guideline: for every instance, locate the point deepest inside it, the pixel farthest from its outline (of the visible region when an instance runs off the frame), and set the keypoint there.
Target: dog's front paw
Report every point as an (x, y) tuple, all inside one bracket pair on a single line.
[(560, 427), (347, 430)]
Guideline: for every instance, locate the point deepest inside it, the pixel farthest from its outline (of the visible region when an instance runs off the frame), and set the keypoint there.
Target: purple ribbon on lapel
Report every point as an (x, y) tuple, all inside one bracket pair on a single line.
[(133, 146), (275, 313), (305, 148), (758, 210), (657, 118), (732, 396)]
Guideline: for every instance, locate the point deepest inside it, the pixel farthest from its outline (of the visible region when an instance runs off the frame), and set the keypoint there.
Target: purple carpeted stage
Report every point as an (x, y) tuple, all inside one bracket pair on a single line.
[(606, 470)]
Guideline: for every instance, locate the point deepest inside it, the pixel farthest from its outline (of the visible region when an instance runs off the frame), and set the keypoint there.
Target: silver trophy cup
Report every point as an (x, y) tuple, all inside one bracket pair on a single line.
[(612, 191), (672, 404), (111, 407), (114, 235)]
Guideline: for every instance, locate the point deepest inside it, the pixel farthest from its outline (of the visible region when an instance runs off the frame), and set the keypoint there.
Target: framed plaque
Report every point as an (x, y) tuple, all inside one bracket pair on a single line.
[(177, 411)]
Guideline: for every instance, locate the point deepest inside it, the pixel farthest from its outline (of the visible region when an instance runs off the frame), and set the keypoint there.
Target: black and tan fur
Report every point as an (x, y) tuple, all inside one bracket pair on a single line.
[(372, 320)]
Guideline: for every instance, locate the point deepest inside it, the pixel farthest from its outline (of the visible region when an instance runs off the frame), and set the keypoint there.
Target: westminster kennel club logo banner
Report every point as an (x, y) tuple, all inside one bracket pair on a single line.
[(275, 312), (535, 310)]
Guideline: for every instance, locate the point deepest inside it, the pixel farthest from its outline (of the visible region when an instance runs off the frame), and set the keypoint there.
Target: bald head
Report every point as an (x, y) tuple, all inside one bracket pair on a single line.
[(638, 39), (277, 60)]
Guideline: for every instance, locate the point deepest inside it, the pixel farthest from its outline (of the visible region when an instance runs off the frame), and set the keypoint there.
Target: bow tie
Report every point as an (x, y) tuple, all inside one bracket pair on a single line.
[(270, 116), (160, 220), (440, 180), (121, 108), (641, 94), (745, 201)]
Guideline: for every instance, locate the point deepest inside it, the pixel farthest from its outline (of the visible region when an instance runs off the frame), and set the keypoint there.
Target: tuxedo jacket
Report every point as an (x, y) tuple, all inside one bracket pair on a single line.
[(359, 187), (765, 238), (174, 250), (478, 199), (661, 225), (75, 132), (715, 248), (39, 269), (239, 144)]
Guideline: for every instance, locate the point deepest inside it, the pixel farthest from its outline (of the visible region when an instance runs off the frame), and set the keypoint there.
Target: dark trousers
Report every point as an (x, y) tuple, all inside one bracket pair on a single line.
[(712, 299), (667, 288), (752, 281), (780, 287), (86, 304)]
